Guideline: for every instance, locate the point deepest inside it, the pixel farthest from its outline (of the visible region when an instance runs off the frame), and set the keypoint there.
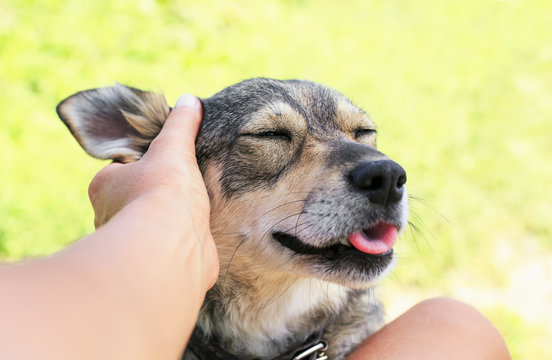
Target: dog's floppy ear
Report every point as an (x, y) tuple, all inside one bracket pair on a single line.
[(116, 122)]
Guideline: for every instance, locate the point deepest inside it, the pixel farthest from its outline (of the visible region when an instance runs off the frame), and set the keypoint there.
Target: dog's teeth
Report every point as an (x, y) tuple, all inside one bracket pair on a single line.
[(345, 241)]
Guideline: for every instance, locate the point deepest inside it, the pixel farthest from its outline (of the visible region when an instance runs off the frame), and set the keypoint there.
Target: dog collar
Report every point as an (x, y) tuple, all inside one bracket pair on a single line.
[(207, 349)]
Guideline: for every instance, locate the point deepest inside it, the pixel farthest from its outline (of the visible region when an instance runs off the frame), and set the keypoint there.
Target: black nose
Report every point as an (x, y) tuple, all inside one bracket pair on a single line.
[(383, 181)]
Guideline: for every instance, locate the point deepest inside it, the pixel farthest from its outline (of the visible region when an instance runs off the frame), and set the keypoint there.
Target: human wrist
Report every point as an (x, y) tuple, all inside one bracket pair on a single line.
[(182, 226), (157, 208)]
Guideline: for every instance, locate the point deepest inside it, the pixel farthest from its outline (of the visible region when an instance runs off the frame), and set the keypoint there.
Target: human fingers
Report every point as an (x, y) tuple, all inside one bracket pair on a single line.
[(104, 192), (180, 129), (99, 181)]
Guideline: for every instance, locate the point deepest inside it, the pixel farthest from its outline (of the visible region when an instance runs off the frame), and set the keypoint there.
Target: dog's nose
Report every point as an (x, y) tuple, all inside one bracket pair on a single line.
[(383, 181)]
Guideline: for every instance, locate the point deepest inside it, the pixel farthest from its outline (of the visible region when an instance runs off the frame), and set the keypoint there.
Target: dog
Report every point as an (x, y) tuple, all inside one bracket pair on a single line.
[(305, 211)]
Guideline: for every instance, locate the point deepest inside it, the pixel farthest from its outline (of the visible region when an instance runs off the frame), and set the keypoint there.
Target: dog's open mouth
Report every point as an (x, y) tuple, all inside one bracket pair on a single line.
[(377, 240)]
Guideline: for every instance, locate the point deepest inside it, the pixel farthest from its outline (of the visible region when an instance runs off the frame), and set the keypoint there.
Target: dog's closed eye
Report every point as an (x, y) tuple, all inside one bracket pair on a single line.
[(270, 135), (360, 133)]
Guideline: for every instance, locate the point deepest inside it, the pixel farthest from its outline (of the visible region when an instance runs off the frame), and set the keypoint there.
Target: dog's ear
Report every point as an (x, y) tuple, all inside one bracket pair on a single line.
[(116, 122)]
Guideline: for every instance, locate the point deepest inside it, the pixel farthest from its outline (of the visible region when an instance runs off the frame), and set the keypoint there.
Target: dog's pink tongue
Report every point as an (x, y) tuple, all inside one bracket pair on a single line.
[(376, 240)]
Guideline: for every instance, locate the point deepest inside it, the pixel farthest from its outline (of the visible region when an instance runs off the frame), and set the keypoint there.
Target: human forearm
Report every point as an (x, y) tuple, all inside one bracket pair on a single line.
[(132, 289), (156, 264)]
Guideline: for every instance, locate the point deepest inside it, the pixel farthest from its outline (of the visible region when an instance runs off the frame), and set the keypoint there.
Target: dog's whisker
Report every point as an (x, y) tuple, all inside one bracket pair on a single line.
[(278, 207), (232, 258), (272, 228), (297, 223), (276, 298), (305, 225), (416, 230), (395, 278), (429, 206)]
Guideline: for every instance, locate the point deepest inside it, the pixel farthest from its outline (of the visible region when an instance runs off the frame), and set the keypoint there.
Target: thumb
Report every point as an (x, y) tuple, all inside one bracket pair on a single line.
[(180, 129)]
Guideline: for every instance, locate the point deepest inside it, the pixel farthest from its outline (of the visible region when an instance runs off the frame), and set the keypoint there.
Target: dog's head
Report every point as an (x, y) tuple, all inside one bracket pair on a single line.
[(297, 186)]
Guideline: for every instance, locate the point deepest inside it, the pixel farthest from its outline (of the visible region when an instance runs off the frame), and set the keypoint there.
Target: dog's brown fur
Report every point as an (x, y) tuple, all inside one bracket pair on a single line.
[(275, 156)]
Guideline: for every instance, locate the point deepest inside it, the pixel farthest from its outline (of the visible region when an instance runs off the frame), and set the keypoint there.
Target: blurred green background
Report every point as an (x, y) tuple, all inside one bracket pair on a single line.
[(461, 92)]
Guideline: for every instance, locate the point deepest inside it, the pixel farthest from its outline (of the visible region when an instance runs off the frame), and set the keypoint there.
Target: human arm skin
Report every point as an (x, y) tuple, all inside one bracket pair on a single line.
[(133, 288)]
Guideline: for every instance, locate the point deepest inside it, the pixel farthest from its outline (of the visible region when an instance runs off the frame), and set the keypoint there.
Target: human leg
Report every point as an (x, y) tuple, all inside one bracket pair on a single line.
[(438, 328)]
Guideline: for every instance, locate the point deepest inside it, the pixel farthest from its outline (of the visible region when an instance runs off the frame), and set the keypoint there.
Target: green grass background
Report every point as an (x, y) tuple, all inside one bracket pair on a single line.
[(461, 92)]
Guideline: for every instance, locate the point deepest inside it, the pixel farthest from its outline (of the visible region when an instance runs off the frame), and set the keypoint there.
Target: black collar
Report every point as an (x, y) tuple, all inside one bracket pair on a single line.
[(209, 349)]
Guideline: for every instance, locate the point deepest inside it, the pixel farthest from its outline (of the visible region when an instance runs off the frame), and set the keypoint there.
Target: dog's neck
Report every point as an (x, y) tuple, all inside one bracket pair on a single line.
[(266, 317)]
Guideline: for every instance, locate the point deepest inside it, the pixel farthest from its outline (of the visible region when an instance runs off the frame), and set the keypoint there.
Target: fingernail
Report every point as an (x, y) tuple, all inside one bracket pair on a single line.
[(187, 100)]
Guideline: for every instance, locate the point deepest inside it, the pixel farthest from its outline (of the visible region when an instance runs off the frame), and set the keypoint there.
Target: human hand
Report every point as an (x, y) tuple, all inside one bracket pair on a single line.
[(168, 174), (168, 165)]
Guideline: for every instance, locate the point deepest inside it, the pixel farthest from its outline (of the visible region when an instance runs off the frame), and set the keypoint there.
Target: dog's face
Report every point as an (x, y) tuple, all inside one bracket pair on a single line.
[(297, 186)]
